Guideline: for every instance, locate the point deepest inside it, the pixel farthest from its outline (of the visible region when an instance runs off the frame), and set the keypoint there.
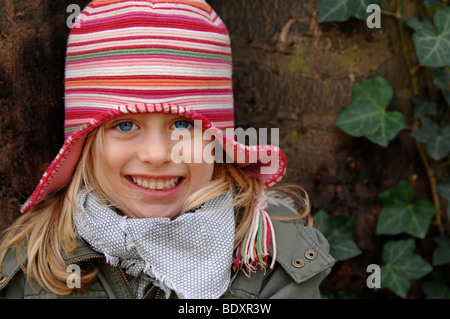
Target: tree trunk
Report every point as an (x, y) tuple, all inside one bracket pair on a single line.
[(296, 75), (290, 73)]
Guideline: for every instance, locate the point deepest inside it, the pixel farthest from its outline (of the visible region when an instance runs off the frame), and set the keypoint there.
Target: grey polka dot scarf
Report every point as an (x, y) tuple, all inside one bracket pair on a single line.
[(190, 255)]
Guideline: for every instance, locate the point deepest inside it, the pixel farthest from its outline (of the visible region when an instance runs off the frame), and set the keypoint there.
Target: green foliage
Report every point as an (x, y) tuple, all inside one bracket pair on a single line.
[(367, 116), (435, 290), (342, 10), (423, 107), (339, 231), (441, 80), (339, 295), (400, 214), (436, 138), (443, 189), (431, 3), (433, 44), (441, 255), (402, 266)]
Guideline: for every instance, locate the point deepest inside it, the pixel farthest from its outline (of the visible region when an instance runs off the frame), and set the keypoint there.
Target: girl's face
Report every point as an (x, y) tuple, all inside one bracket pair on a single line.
[(143, 176)]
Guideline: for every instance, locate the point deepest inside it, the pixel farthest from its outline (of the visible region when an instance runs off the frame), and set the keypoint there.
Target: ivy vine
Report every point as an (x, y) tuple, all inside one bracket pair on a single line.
[(369, 116)]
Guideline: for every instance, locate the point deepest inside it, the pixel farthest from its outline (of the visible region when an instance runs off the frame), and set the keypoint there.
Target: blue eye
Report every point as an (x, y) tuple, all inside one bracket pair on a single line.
[(125, 126), (182, 125)]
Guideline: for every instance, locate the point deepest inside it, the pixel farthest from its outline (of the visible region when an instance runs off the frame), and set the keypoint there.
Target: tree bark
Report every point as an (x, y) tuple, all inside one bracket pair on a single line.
[(290, 73), (296, 75)]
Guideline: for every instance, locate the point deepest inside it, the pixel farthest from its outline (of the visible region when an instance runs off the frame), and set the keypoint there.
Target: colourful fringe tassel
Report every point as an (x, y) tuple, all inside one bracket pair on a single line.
[(254, 249)]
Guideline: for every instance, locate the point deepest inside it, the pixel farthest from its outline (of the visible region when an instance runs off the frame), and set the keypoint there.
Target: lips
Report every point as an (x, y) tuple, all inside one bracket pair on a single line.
[(156, 183)]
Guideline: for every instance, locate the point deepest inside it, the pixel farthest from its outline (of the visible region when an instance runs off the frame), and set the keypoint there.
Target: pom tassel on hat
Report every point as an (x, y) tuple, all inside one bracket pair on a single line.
[(254, 248)]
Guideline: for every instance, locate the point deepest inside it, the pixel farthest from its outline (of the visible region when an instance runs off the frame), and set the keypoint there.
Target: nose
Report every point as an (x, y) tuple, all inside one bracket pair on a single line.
[(155, 149)]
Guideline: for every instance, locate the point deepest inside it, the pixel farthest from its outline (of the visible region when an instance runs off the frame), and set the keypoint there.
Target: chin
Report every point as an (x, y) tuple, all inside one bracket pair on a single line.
[(154, 212)]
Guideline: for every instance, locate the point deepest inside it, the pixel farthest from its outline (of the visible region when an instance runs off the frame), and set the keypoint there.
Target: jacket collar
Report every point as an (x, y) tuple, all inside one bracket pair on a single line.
[(82, 252)]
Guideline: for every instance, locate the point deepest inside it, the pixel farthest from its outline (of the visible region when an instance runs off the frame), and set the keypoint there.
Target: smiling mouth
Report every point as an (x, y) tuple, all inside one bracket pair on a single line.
[(156, 184)]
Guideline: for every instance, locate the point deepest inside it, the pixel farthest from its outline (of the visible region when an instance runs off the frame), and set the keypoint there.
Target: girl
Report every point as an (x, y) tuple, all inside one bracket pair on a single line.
[(127, 209)]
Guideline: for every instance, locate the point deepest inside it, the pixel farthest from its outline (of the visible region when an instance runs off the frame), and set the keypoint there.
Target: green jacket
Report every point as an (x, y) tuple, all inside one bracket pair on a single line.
[(302, 262)]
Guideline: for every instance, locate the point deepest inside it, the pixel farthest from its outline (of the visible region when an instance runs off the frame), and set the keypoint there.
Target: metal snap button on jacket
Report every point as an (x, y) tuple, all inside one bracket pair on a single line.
[(311, 254), (298, 263)]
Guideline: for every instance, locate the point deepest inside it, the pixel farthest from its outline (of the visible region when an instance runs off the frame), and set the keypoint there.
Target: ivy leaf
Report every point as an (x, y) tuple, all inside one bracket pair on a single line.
[(442, 80), (423, 106), (435, 286), (366, 115), (399, 194), (435, 290), (433, 48), (443, 188), (436, 139), (441, 254), (418, 25), (402, 266), (322, 220), (338, 295), (339, 231), (400, 214), (439, 146), (411, 219), (332, 10), (428, 130), (431, 3)]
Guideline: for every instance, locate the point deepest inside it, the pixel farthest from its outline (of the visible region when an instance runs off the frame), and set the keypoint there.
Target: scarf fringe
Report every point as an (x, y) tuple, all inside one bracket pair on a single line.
[(112, 260), (128, 240), (161, 281), (253, 252), (277, 199)]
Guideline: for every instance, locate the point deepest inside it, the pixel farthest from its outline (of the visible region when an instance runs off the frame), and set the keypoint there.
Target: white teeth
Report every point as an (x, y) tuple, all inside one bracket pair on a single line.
[(156, 183)]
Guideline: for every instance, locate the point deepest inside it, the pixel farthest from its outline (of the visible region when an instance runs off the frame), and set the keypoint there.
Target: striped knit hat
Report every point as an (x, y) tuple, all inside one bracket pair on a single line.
[(150, 56)]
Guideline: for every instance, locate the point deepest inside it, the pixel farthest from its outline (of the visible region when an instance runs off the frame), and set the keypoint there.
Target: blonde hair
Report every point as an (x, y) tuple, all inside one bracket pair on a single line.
[(47, 231)]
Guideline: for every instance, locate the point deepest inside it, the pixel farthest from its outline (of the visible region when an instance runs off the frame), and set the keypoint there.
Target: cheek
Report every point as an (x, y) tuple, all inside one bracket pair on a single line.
[(200, 174), (115, 156), (107, 169), (192, 147), (203, 170)]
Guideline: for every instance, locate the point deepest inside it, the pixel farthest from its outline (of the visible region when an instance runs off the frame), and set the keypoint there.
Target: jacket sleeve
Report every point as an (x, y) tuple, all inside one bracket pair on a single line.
[(12, 285), (15, 287), (288, 281)]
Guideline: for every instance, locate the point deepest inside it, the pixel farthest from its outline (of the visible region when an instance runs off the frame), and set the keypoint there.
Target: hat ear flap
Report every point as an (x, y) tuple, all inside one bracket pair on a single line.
[(253, 251)]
